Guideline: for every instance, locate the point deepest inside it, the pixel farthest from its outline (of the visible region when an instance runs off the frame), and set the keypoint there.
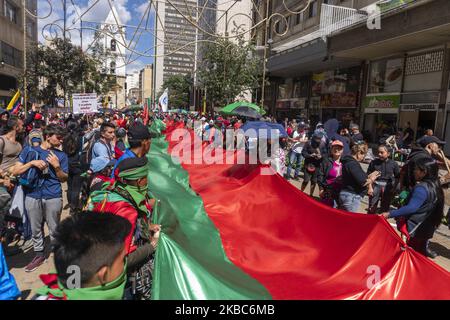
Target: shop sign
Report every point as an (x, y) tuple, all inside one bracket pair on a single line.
[(386, 76), (381, 102), (338, 100), (298, 104), (335, 81), (392, 4), (419, 107), (283, 104)]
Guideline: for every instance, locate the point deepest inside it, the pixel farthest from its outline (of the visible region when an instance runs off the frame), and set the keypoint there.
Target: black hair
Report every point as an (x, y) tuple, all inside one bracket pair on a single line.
[(134, 143), (89, 240), (431, 178), (386, 147), (52, 129), (38, 124), (71, 143), (106, 125), (10, 124)]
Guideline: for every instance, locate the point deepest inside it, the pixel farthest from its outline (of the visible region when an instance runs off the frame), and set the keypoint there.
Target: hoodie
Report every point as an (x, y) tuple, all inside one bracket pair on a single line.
[(331, 127), (353, 176)]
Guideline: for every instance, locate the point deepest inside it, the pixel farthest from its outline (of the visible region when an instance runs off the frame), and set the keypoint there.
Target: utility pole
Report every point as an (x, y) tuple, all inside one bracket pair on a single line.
[(64, 38), (266, 27), (25, 56), (154, 59)]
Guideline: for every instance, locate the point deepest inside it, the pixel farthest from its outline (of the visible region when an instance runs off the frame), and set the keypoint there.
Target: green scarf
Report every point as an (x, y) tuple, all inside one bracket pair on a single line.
[(134, 173), (113, 290)]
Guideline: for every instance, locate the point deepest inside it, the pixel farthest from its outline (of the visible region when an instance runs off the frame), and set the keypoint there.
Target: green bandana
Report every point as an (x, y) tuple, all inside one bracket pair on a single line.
[(134, 173), (111, 291)]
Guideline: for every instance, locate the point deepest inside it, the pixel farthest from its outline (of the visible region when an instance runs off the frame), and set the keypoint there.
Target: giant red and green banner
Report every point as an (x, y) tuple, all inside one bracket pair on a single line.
[(229, 232)]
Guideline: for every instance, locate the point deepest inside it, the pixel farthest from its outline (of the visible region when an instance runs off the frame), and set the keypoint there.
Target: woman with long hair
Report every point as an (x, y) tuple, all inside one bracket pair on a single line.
[(72, 147), (355, 181), (425, 209)]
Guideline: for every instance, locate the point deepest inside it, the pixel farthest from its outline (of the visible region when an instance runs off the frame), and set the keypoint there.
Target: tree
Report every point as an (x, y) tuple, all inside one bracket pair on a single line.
[(63, 67), (179, 87), (228, 69)]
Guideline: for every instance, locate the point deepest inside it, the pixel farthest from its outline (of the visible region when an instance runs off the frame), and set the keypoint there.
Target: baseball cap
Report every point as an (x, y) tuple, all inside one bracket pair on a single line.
[(430, 139), (203, 119), (138, 131), (337, 143)]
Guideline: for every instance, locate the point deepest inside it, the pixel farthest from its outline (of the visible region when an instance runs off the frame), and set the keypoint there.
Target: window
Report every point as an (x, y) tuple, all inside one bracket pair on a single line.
[(113, 45), (299, 18), (112, 67), (313, 6), (31, 6), (11, 12), (11, 55), (31, 28)]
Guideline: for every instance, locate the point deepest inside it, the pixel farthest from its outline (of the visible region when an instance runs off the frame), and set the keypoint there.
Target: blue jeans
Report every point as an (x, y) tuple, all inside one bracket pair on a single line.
[(349, 201), (297, 159)]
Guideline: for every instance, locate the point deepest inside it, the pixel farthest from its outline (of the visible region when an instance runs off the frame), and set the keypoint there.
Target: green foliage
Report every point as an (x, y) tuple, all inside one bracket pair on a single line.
[(179, 88), (228, 69), (64, 66)]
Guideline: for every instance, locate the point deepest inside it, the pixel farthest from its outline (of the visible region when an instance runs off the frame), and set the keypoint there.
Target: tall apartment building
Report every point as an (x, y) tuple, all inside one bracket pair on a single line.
[(12, 43), (179, 43), (176, 48), (132, 80), (146, 82)]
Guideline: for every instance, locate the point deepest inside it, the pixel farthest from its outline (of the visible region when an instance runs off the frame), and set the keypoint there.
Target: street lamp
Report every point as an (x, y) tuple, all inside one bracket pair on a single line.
[(2, 63)]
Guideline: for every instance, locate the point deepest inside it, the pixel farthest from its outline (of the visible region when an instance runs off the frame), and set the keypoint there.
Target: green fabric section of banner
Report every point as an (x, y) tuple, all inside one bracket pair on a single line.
[(190, 262)]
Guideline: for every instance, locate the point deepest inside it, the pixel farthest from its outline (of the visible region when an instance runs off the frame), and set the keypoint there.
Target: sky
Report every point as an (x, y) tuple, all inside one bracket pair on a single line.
[(130, 12)]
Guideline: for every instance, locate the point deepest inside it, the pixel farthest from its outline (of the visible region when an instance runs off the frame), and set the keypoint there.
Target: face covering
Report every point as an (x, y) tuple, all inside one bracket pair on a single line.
[(110, 291)]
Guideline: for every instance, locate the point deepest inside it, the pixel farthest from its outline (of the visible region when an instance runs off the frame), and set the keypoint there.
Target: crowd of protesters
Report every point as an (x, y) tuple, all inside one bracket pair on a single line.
[(102, 158)]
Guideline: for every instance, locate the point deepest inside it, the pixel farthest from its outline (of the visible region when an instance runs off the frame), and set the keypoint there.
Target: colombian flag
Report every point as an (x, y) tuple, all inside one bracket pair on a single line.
[(15, 103)]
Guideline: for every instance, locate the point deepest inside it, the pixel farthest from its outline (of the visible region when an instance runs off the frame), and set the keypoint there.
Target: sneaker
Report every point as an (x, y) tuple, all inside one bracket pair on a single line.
[(35, 263), (431, 254), (26, 244)]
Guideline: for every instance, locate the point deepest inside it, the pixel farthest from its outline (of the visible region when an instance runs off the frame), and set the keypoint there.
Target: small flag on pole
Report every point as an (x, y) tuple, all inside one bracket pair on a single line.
[(164, 100), (145, 115), (17, 106), (14, 101)]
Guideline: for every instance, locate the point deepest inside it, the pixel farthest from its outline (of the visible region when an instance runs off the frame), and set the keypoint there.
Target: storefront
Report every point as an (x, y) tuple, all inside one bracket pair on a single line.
[(337, 93), (420, 116), (292, 98), (380, 116), (421, 91)]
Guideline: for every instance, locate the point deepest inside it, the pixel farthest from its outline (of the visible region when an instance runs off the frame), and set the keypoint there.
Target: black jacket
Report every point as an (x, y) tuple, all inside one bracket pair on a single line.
[(325, 166), (307, 152), (389, 169), (353, 176), (420, 223)]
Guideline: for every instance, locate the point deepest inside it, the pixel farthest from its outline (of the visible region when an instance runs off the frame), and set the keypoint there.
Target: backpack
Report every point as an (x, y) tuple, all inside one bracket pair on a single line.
[(87, 145), (31, 178)]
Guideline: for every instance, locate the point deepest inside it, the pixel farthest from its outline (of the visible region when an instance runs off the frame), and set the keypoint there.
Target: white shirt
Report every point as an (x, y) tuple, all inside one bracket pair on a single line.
[(298, 146)]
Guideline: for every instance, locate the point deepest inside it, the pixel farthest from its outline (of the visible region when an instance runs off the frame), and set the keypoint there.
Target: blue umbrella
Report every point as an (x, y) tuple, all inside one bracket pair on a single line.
[(264, 129)]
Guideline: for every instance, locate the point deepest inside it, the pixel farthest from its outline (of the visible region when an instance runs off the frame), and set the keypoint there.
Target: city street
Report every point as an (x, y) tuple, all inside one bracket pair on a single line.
[(29, 282)]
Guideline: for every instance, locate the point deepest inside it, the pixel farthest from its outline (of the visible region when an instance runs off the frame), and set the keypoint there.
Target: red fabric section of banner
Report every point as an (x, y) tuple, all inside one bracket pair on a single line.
[(299, 248)]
